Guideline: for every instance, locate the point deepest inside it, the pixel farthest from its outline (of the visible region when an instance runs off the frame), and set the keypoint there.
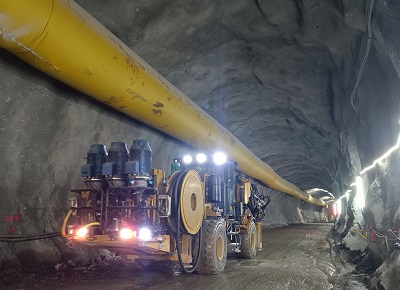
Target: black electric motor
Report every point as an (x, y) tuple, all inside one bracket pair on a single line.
[(96, 157), (140, 158), (118, 155)]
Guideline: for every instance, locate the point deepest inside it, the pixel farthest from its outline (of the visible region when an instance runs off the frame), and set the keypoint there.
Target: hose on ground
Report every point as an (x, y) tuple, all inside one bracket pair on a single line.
[(33, 237)]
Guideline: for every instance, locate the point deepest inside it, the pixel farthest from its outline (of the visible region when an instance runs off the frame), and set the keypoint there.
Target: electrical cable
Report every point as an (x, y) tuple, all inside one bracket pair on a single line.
[(178, 184), (22, 238), (393, 233), (368, 32), (380, 235)]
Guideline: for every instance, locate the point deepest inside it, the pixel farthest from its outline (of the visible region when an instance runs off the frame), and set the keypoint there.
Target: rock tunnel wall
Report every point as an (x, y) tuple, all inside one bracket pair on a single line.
[(376, 131), (277, 74), (46, 130)]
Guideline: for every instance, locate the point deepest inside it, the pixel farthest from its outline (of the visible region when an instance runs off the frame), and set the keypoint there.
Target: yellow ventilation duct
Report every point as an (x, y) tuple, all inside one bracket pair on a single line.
[(61, 39)]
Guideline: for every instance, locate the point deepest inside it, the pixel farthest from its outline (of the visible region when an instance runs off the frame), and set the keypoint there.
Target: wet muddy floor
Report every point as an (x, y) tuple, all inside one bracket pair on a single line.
[(295, 257)]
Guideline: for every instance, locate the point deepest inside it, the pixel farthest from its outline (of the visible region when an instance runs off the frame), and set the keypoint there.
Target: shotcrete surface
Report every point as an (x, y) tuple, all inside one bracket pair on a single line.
[(296, 257)]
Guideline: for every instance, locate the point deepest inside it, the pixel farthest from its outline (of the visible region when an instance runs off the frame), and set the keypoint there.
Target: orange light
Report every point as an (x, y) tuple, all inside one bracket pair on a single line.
[(82, 232), (127, 233)]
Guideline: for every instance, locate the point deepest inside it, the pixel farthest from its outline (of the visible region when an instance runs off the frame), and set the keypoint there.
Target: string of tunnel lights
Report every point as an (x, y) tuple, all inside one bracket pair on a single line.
[(360, 196)]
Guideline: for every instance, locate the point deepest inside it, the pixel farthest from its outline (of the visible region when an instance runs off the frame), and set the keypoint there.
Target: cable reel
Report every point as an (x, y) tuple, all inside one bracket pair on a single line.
[(187, 211), (187, 198)]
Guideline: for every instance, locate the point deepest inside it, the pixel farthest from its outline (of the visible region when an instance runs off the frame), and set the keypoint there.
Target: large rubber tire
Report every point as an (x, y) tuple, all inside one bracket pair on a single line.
[(214, 248), (248, 238)]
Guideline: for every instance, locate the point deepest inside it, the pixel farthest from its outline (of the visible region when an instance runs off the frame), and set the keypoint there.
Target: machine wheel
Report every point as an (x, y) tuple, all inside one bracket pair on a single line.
[(214, 248), (248, 245)]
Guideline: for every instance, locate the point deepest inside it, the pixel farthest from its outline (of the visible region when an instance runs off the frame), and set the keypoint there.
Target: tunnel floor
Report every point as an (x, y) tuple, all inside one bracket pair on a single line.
[(295, 257)]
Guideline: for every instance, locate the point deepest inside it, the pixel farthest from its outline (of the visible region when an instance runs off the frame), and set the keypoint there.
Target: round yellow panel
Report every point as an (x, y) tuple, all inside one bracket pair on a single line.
[(192, 202)]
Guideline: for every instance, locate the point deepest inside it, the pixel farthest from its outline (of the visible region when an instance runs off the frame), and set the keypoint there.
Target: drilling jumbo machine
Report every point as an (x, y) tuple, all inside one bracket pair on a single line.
[(192, 216)]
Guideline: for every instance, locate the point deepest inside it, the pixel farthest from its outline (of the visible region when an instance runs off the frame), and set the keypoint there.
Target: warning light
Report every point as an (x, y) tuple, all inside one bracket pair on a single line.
[(127, 233), (82, 232)]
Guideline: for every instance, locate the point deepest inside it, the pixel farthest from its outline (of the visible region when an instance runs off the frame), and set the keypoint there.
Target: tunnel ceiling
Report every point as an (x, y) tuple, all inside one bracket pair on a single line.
[(277, 74)]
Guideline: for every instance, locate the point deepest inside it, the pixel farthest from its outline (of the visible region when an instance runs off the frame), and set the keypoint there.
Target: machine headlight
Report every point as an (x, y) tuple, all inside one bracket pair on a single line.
[(145, 234), (187, 159), (219, 158), (127, 233), (82, 232), (201, 158)]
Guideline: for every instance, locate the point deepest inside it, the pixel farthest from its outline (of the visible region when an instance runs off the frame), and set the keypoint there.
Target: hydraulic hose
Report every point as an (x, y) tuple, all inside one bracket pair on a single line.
[(90, 225), (64, 225)]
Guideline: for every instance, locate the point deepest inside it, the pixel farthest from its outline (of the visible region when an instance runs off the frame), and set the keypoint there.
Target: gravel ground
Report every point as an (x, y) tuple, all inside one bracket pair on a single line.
[(295, 257)]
